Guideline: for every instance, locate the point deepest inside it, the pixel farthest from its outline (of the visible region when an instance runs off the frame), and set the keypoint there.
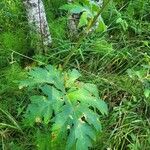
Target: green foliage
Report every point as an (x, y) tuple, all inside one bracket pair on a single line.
[(102, 47), (43, 140), (10, 78), (13, 28), (52, 7), (117, 61), (143, 77), (131, 130), (89, 10), (13, 124), (14, 41), (9, 42), (11, 12), (60, 32), (69, 105)]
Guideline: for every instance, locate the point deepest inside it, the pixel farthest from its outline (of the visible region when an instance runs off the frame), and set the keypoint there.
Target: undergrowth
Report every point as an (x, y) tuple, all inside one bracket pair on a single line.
[(116, 60)]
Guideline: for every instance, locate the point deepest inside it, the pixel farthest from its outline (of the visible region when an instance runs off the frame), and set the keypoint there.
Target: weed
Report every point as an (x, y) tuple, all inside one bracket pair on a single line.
[(70, 107), (116, 60)]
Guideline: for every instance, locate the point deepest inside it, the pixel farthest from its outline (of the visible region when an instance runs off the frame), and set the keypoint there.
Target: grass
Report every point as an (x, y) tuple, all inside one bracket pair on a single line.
[(104, 59)]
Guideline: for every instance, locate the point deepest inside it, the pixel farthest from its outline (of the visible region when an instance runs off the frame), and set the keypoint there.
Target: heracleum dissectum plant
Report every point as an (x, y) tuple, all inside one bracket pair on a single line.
[(71, 107)]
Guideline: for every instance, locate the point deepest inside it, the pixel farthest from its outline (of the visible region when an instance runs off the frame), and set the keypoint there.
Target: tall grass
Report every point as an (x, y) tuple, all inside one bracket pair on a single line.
[(104, 59)]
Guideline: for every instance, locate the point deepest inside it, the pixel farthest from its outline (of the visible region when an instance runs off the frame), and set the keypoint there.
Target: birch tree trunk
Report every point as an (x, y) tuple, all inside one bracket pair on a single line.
[(72, 22), (38, 23)]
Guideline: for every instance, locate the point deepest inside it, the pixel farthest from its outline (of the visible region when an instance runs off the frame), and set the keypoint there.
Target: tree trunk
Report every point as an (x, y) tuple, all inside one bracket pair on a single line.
[(73, 20), (38, 22), (72, 23)]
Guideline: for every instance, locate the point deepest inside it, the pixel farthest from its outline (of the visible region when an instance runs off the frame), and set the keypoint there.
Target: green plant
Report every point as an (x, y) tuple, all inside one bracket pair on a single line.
[(71, 107), (7, 125), (143, 77), (88, 10), (11, 119), (10, 13), (90, 15), (127, 127)]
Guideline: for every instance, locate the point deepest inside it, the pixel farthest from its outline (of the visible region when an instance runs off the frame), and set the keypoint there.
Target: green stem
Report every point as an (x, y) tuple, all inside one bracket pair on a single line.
[(85, 34)]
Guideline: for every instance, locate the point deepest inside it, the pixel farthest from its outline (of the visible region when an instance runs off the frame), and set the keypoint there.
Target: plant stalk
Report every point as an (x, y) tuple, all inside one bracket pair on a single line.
[(85, 34)]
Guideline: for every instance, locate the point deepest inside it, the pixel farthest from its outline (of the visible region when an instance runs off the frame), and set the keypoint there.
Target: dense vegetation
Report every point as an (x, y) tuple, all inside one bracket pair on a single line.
[(117, 60)]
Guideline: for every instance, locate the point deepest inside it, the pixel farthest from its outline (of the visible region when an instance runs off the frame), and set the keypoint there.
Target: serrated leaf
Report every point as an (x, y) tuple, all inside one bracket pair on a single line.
[(61, 117), (92, 89), (61, 123), (27, 83), (85, 97), (70, 110), (83, 134), (102, 106), (93, 119), (52, 93), (48, 75), (71, 141), (72, 77), (39, 109), (57, 77), (37, 76), (41, 75)]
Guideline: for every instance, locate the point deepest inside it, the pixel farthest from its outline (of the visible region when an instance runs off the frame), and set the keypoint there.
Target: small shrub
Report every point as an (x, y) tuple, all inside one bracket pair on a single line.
[(72, 108)]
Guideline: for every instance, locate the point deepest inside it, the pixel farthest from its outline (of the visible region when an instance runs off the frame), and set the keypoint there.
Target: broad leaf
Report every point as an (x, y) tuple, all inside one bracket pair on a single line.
[(68, 106), (39, 110)]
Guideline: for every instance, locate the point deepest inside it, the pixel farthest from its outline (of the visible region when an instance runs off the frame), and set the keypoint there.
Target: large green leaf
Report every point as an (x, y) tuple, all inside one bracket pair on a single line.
[(83, 134), (39, 110), (70, 107), (88, 98), (47, 75)]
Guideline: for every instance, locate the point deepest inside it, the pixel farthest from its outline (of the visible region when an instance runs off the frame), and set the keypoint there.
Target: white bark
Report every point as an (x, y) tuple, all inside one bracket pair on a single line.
[(37, 20)]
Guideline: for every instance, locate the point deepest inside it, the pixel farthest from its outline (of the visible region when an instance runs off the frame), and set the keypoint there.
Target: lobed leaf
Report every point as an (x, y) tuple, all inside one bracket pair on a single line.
[(69, 106)]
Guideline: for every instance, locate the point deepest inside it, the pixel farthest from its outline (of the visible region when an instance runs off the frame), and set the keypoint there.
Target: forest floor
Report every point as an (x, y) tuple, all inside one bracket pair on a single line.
[(117, 61)]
